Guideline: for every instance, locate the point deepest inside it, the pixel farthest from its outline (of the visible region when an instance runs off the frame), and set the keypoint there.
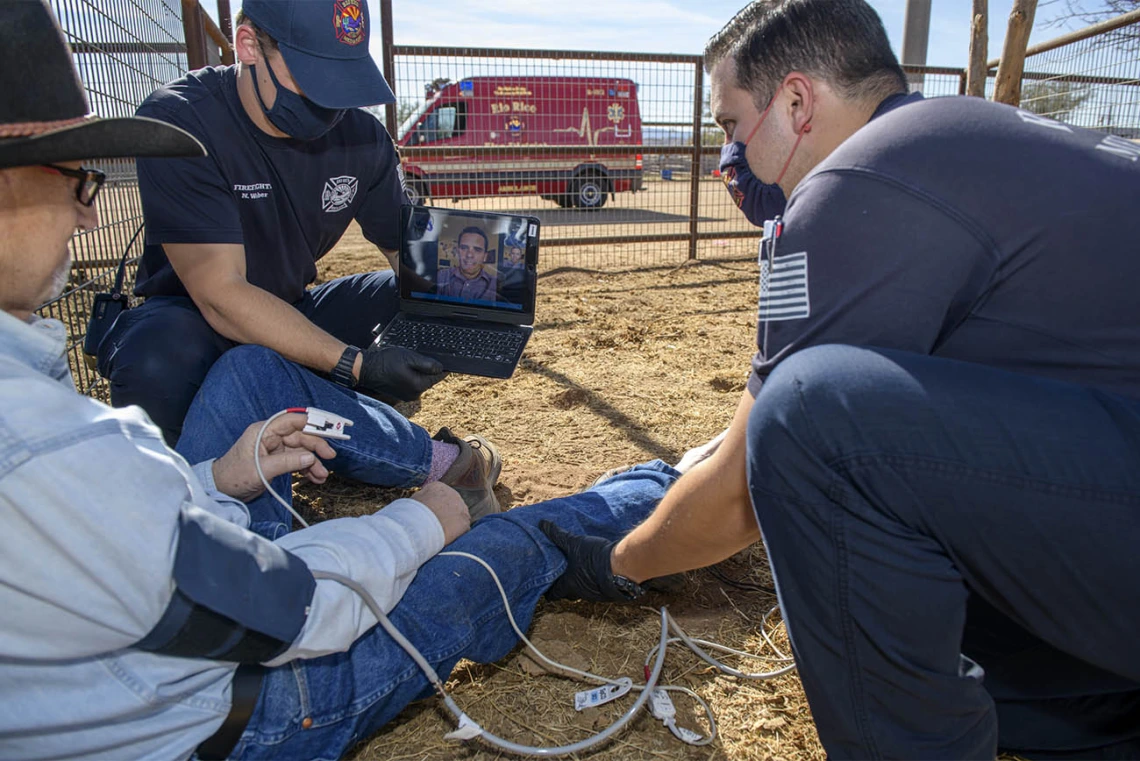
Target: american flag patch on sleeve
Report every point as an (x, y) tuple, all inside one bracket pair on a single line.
[(784, 288)]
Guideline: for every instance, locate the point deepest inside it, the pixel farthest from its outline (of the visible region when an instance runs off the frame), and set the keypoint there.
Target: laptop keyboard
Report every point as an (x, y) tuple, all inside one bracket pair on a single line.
[(434, 338)]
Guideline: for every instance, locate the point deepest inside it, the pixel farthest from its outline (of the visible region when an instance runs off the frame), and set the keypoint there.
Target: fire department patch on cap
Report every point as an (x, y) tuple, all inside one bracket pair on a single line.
[(348, 20)]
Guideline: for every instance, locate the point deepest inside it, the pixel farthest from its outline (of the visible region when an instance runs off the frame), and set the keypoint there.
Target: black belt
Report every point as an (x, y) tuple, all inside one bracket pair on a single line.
[(246, 688)]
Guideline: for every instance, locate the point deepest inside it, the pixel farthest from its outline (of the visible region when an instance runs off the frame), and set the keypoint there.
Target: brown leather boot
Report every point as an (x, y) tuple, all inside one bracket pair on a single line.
[(474, 472)]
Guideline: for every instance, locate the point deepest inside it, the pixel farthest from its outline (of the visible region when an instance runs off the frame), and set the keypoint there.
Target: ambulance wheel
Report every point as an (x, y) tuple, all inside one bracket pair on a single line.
[(564, 200), (591, 192), (416, 191)]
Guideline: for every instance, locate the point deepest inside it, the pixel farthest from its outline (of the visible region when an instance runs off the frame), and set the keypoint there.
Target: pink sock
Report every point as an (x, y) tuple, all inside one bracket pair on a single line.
[(443, 456)]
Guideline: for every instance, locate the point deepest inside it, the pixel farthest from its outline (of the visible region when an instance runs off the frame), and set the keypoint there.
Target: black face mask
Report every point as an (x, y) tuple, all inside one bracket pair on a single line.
[(296, 116)]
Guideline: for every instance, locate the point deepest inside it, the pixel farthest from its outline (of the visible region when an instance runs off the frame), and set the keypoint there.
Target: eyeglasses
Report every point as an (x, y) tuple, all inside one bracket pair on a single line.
[(90, 180)]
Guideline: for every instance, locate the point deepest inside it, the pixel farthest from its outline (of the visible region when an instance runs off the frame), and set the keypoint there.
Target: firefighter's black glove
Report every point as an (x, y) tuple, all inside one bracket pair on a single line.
[(588, 575), (395, 374)]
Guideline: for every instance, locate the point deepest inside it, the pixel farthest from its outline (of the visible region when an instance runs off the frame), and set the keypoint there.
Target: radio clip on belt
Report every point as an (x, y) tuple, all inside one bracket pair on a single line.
[(106, 308)]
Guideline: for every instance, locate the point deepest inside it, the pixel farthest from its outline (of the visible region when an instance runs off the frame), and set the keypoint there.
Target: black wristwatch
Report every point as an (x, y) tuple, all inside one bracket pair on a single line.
[(342, 373), (628, 587)]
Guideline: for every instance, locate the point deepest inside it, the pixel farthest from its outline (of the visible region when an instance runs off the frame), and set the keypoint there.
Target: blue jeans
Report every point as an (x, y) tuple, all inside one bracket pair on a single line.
[(157, 354), (452, 610), (250, 383), (955, 549)]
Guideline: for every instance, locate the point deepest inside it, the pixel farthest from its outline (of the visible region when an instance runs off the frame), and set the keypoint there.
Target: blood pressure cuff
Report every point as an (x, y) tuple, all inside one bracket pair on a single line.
[(238, 597)]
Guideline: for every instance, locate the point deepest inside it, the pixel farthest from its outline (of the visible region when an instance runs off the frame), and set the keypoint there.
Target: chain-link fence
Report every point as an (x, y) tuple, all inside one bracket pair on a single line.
[(615, 153), (123, 49), (936, 81), (1091, 82)]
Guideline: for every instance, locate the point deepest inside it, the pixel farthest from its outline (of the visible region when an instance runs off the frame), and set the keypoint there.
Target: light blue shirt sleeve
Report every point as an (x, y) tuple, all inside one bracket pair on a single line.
[(91, 528), (382, 552)]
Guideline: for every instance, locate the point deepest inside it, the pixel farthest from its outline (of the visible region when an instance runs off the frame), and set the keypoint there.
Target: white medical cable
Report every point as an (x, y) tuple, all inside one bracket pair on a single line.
[(465, 722), (707, 739), (586, 674), (257, 463), (469, 729), (514, 625), (695, 645), (764, 633)]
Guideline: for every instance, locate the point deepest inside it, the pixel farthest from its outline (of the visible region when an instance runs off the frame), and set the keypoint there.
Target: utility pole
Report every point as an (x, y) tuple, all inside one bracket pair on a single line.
[(916, 37), (389, 65)]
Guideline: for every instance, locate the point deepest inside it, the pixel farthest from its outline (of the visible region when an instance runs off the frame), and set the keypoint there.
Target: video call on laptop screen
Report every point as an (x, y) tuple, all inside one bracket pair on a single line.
[(468, 258)]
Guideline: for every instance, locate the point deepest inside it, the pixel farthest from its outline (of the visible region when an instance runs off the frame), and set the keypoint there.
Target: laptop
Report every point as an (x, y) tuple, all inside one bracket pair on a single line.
[(467, 288)]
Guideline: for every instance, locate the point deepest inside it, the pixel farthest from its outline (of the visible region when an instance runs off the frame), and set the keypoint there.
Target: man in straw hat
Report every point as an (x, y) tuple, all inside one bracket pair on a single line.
[(138, 606)]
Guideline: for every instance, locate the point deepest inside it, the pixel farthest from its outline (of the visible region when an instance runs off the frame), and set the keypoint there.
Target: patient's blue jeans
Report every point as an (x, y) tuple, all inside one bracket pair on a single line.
[(250, 383), (452, 609), (957, 554)]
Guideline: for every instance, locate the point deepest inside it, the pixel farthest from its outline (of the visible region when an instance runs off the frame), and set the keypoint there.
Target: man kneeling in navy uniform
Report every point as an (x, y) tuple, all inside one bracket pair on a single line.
[(940, 436), (233, 238)]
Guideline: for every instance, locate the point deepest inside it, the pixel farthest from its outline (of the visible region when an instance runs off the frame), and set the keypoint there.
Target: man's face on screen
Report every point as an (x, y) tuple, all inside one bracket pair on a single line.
[(472, 254)]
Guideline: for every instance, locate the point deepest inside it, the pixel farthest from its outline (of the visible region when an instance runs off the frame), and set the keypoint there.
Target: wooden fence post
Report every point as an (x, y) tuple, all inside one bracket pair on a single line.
[(387, 40), (225, 21), (1007, 88), (977, 72), (195, 36)]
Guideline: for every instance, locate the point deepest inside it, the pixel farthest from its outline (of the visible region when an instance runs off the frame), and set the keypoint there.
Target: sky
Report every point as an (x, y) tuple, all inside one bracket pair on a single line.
[(679, 26), (649, 26)]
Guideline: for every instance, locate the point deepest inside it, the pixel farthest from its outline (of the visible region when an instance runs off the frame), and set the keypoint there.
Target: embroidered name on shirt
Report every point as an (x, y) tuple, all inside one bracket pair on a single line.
[(253, 192), (338, 193), (784, 288)]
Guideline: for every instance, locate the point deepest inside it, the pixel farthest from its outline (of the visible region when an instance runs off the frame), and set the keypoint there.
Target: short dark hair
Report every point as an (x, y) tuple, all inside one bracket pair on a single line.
[(839, 41), (721, 44), (263, 39), (473, 230)]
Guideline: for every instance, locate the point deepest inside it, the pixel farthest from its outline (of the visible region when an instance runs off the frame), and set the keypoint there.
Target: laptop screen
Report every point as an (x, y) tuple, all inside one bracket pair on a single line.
[(469, 258)]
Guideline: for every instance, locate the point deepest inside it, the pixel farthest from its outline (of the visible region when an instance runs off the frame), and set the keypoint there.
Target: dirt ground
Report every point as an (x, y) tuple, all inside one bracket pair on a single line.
[(625, 365)]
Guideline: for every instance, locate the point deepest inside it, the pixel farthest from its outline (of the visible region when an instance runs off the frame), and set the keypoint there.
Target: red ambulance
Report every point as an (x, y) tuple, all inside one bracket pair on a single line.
[(508, 112)]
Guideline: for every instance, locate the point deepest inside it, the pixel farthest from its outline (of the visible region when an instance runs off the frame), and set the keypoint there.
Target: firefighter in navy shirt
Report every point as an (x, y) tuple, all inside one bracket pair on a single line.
[(232, 239), (758, 200), (940, 437)]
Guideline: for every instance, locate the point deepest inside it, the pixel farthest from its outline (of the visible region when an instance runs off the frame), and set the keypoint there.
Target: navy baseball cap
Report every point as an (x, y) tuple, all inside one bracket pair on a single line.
[(325, 45)]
